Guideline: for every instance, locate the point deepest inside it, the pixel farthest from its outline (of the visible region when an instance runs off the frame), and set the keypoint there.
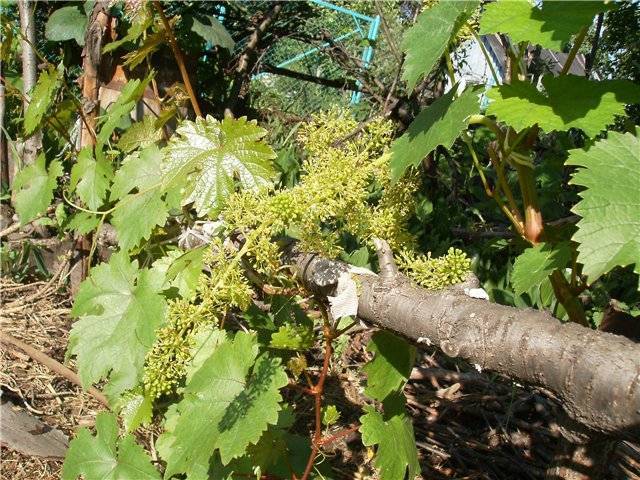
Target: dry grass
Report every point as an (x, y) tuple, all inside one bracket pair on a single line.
[(43, 322)]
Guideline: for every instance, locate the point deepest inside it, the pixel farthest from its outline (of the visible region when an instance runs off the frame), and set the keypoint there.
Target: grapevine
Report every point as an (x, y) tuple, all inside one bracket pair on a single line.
[(228, 262)]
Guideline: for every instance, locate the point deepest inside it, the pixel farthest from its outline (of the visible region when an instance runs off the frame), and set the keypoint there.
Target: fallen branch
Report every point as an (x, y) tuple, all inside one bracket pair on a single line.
[(17, 226), (52, 364), (596, 375)]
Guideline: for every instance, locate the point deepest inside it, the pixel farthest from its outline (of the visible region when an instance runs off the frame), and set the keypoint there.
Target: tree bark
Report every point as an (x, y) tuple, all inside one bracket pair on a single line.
[(591, 57), (596, 375), (91, 62), (95, 39), (247, 61), (29, 74), (5, 178)]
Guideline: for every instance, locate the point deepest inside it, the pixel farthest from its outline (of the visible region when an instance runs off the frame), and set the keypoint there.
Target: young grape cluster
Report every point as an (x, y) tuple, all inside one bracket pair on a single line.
[(435, 273), (223, 288), (345, 189)]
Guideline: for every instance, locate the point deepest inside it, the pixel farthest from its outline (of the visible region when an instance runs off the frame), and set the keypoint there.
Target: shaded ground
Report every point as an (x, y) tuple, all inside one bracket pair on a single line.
[(469, 425)]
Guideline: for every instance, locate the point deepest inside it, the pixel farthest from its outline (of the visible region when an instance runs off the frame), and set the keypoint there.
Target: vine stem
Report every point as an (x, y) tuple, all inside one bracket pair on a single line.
[(574, 51), (491, 193), (474, 156), (450, 72), (487, 122), (514, 213), (53, 365), (533, 222), (317, 391), (341, 434), (177, 53)]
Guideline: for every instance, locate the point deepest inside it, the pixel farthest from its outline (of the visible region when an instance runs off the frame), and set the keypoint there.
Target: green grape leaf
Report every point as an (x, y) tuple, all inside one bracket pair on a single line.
[(35, 185), (206, 157), (568, 102), (83, 222), (137, 215), (609, 232), (393, 434), (182, 270), (41, 99), (149, 46), (438, 124), (139, 170), (105, 456), (330, 415), (90, 178), (140, 135), (535, 264), (552, 25), (227, 405), (126, 101), (292, 336), (391, 366), (439, 23), (66, 23), (205, 340), (214, 32), (119, 309), (135, 409), (134, 32), (277, 454), (357, 258)]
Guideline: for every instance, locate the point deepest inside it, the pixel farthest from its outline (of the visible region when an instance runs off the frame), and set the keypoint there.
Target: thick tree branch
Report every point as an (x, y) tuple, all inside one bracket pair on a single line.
[(340, 83), (248, 58), (29, 74), (91, 61), (52, 364), (596, 375), (591, 57)]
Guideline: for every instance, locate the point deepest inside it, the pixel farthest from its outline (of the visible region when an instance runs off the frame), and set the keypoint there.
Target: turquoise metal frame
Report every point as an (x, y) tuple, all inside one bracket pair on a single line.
[(359, 19)]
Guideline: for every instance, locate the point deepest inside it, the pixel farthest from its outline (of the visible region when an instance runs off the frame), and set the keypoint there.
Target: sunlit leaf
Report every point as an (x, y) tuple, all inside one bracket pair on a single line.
[(609, 230), (390, 368), (551, 24), (227, 405), (439, 24), (567, 102), (213, 32), (34, 185), (41, 99), (392, 432), (119, 309), (106, 457), (535, 265), (90, 178), (207, 157), (438, 124)]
